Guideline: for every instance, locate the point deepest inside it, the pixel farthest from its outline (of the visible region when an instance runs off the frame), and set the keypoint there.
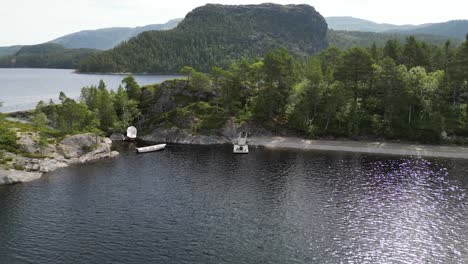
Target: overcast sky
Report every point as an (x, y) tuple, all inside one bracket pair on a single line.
[(38, 21)]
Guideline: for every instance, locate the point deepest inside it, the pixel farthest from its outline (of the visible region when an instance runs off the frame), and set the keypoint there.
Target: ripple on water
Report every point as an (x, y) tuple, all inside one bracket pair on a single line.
[(203, 205)]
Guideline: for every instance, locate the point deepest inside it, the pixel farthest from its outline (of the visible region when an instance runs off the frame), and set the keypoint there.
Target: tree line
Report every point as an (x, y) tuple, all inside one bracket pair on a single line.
[(47, 55), (99, 110), (409, 91)]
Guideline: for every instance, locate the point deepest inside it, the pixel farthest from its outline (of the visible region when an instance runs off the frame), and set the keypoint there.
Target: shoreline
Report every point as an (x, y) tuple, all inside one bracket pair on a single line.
[(411, 149), (8, 177), (365, 147)]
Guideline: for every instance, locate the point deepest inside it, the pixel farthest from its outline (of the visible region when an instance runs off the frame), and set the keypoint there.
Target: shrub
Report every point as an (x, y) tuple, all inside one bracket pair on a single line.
[(17, 166), (8, 140)]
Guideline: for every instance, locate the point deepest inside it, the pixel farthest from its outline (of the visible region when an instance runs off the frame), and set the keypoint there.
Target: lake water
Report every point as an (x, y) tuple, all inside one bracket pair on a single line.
[(193, 204), (21, 89)]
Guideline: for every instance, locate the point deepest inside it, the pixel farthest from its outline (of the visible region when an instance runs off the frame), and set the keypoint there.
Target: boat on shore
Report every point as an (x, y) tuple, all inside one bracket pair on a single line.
[(151, 148), (241, 147)]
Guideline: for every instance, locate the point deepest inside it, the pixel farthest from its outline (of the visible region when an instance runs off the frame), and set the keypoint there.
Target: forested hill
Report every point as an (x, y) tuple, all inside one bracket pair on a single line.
[(356, 24), (347, 39), (107, 38), (215, 35), (455, 29), (48, 55), (10, 50)]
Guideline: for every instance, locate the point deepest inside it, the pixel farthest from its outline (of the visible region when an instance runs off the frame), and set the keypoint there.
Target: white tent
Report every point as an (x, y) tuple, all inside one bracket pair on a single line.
[(131, 132)]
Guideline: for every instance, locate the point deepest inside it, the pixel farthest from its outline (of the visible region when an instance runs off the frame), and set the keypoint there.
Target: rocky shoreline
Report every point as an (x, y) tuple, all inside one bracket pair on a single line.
[(83, 148), (263, 138), (74, 149)]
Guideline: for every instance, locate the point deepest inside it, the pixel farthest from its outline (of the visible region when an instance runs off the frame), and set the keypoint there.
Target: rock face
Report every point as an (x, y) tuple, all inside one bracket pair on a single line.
[(15, 176), (228, 134), (28, 143), (71, 150), (180, 136), (170, 95), (175, 93), (117, 137), (77, 145)]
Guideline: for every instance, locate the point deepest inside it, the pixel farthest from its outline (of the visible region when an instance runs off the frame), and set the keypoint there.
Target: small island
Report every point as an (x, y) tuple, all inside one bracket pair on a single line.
[(354, 95), (283, 87)]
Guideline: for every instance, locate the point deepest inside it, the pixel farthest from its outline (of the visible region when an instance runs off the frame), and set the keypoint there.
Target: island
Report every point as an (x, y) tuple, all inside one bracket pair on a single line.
[(286, 91)]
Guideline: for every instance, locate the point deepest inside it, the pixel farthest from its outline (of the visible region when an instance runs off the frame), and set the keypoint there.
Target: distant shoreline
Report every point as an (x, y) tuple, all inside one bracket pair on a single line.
[(130, 73), (385, 148), (76, 71)]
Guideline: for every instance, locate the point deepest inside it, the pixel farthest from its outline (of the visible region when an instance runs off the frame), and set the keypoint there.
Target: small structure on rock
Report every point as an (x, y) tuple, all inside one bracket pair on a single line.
[(131, 133)]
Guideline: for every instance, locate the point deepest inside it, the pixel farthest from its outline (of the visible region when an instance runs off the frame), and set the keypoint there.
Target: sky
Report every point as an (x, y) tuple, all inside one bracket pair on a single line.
[(29, 22)]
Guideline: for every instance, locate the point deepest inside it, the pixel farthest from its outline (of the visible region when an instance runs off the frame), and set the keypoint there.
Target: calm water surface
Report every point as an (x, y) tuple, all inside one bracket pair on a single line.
[(21, 89), (192, 204)]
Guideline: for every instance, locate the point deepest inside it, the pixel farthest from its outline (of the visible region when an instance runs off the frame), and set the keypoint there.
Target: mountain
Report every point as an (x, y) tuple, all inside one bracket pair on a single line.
[(214, 35), (347, 39), (108, 38), (451, 29), (48, 55), (7, 51), (348, 23)]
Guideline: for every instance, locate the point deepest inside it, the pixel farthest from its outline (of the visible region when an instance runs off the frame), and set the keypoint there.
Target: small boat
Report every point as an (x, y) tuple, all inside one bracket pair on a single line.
[(151, 148), (131, 133), (241, 147)]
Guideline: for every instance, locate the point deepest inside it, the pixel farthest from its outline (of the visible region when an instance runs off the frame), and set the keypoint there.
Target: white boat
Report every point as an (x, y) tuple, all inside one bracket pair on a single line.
[(241, 147), (151, 148), (238, 149), (131, 133)]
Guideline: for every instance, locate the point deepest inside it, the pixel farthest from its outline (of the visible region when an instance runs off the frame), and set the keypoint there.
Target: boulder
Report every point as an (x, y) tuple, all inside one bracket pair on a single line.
[(117, 137), (78, 145), (35, 167), (48, 165), (27, 141), (16, 176)]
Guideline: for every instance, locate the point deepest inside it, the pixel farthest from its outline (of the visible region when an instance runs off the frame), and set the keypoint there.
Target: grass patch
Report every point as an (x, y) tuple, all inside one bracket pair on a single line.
[(87, 149)]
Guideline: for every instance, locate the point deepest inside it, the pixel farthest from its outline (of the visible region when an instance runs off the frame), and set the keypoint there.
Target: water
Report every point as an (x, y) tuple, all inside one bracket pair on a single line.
[(190, 204), (21, 89)]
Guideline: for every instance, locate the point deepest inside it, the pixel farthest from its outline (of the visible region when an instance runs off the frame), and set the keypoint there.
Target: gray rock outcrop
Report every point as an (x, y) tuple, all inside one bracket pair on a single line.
[(71, 150), (180, 136), (226, 135), (17, 176)]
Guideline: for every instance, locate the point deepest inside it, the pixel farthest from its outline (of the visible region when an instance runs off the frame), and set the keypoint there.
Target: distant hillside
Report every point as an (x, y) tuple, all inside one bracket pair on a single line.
[(47, 55), (451, 29), (356, 24), (214, 35), (7, 51), (108, 38), (347, 39)]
